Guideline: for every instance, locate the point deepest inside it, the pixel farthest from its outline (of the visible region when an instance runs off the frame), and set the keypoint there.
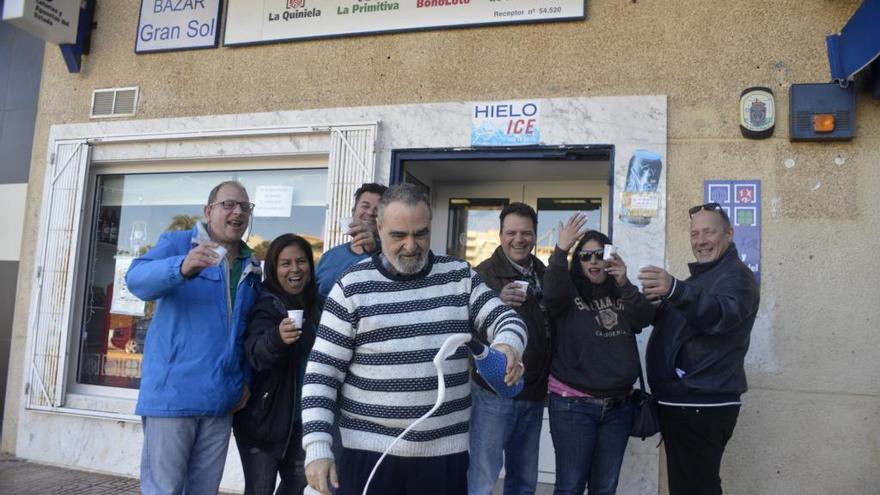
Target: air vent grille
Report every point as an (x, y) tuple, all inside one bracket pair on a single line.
[(114, 102)]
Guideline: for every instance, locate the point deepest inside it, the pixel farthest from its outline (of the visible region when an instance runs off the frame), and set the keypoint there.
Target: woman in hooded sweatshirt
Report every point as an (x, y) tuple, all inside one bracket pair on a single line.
[(268, 431), (596, 313)]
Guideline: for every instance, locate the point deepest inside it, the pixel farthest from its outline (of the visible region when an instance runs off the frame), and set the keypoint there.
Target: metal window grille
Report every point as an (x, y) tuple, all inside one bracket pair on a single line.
[(51, 300), (352, 163)]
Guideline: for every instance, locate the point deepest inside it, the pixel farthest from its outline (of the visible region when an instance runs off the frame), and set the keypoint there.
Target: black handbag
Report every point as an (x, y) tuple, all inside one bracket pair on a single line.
[(267, 415), (646, 421)]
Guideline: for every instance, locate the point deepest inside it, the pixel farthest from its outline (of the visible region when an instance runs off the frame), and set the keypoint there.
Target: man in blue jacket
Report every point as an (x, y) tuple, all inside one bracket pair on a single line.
[(194, 371), (363, 238), (696, 352)]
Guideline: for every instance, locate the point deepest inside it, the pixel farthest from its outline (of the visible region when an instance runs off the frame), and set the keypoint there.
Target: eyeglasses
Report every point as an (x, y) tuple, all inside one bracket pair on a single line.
[(587, 255), (230, 204), (709, 207)]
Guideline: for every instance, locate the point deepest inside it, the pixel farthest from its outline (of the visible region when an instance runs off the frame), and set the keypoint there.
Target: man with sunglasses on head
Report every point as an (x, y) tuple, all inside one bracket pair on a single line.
[(695, 354), (194, 374)]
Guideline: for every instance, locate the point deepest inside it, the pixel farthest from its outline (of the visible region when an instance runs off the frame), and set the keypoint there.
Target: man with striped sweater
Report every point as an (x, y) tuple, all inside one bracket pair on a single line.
[(383, 322)]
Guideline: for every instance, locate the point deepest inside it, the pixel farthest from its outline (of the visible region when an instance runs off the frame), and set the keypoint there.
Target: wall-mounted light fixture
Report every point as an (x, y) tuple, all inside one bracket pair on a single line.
[(822, 112)]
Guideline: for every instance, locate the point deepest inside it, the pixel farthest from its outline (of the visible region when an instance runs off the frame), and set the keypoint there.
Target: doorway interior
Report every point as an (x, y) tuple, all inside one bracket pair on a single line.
[(470, 187)]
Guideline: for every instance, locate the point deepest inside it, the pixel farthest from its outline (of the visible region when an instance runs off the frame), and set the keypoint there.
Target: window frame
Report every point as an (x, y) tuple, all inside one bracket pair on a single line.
[(123, 399)]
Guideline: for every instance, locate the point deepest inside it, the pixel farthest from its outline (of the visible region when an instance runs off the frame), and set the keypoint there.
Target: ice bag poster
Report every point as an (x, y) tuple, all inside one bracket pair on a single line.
[(741, 199)]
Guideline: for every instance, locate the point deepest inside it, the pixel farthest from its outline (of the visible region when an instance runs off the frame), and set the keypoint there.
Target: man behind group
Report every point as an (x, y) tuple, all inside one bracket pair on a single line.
[(363, 238), (695, 354), (510, 429), (194, 371), (383, 323)]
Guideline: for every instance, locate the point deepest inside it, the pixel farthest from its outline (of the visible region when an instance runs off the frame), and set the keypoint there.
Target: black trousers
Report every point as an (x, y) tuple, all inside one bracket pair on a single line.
[(261, 468), (442, 475), (694, 439)]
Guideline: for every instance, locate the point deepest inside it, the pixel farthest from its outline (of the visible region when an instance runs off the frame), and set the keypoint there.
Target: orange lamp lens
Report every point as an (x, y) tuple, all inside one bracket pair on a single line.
[(823, 122)]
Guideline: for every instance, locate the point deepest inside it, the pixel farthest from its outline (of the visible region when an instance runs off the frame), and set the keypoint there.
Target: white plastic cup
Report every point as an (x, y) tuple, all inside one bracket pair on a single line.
[(344, 224), (297, 316), (221, 253), (608, 251), (523, 286)]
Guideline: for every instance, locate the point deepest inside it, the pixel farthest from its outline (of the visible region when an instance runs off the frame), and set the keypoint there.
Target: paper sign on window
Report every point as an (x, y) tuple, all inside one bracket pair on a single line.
[(124, 302)]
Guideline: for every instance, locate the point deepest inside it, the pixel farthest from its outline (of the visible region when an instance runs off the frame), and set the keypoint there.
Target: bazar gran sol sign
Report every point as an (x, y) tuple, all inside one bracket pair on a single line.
[(166, 25)]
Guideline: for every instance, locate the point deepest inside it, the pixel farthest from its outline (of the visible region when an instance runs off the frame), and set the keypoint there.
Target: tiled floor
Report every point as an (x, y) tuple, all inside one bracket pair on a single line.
[(26, 478)]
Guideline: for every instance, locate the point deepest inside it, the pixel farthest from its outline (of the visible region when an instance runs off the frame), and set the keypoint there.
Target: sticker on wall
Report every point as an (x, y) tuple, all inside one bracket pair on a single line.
[(505, 123), (741, 199), (640, 200), (757, 116)]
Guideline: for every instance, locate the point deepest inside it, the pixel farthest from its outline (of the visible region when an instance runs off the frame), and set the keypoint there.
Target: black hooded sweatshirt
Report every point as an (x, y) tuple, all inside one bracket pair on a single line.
[(594, 347)]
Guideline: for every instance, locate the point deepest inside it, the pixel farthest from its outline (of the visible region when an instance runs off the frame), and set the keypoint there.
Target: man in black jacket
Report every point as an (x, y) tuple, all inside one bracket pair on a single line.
[(695, 354), (511, 428)]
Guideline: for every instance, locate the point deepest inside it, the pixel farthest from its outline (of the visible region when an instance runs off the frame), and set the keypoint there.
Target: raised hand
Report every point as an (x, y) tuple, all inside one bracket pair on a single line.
[(571, 231), (617, 269)]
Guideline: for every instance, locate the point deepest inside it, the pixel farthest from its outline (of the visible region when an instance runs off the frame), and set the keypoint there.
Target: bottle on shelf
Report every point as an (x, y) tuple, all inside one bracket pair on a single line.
[(138, 238), (99, 231), (105, 225), (114, 227)]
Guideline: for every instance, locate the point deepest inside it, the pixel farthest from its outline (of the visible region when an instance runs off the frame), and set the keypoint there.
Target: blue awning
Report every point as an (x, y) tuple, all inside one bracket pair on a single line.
[(857, 44)]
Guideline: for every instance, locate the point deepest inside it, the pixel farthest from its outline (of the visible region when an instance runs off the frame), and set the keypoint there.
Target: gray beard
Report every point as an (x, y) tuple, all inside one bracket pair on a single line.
[(410, 267)]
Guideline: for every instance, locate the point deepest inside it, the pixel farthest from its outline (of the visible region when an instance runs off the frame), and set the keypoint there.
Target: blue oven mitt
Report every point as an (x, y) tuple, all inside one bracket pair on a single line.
[(491, 366)]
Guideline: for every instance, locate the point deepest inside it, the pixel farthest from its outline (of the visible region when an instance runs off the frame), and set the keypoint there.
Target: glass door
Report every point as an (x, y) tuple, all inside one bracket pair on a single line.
[(551, 211), (472, 231), (465, 219)]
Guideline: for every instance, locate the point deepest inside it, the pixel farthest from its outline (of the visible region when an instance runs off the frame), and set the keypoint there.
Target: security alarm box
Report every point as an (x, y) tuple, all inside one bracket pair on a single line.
[(822, 112)]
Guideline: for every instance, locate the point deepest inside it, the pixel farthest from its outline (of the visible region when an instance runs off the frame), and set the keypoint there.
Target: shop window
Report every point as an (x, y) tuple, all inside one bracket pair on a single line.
[(131, 211)]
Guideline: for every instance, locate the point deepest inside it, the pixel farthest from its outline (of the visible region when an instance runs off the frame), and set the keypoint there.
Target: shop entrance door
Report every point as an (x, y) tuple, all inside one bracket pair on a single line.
[(469, 188), (466, 225), (466, 215)]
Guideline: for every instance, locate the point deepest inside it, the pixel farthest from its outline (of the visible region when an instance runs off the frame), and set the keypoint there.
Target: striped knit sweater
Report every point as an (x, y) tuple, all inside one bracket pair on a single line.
[(378, 336)]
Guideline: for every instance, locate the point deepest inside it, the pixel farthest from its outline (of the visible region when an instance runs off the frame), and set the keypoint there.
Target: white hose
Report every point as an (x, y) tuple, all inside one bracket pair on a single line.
[(452, 343)]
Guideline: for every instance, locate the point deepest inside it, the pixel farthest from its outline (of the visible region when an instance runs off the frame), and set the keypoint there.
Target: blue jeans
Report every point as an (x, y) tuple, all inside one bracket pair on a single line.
[(184, 454), (589, 441), (508, 429)]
